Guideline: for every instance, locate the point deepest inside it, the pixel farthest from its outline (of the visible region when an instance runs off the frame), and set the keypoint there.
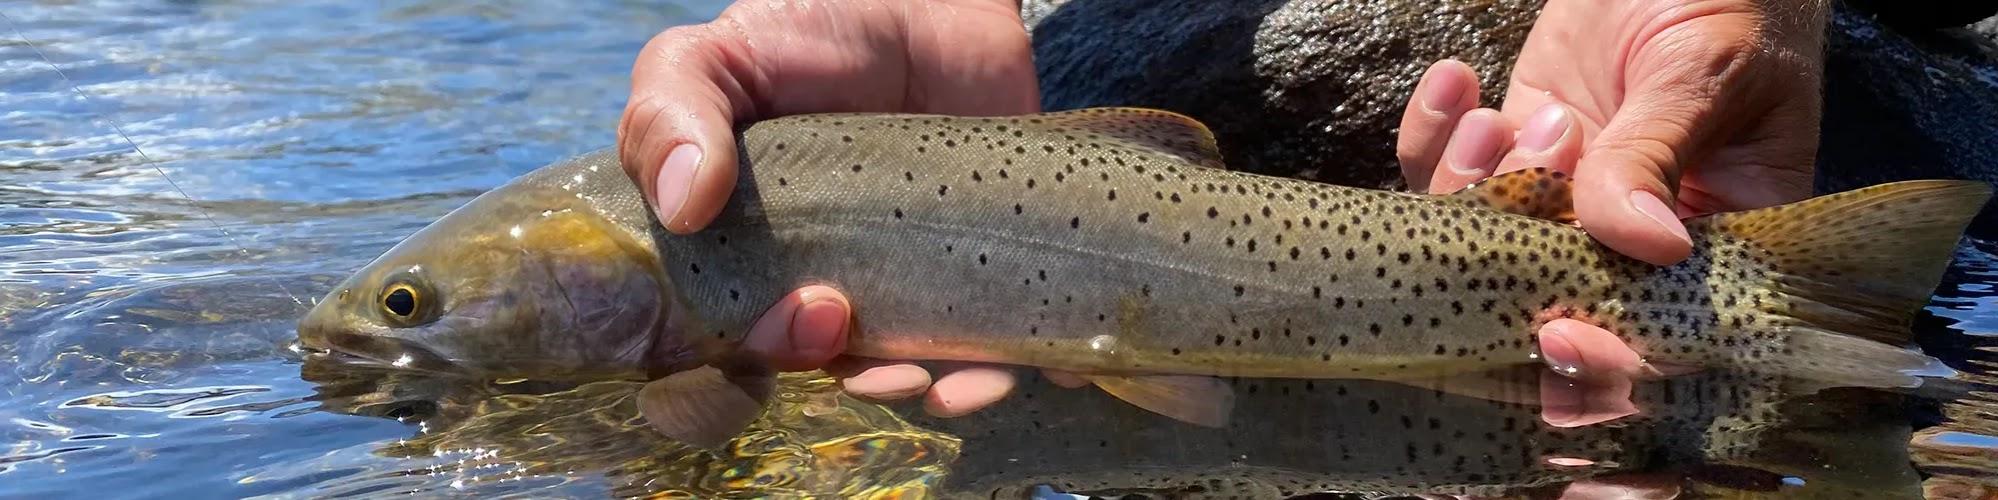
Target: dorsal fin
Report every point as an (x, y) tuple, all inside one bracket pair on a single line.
[(1159, 130), (1535, 192)]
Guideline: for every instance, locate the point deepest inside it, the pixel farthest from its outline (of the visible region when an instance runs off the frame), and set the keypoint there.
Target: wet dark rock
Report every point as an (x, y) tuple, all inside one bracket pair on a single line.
[(1315, 88), (1309, 88), (1906, 15), (1900, 106)]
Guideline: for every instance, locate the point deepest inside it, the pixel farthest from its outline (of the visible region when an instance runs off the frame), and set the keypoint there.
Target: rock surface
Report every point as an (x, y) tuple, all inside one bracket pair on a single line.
[(1308, 88), (1314, 88)]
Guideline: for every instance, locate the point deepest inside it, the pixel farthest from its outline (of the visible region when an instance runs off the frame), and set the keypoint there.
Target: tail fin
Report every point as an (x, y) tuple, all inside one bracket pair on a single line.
[(1851, 270)]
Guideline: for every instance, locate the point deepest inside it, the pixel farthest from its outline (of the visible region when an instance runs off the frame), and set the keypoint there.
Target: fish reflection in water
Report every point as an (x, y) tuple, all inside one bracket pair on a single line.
[(1708, 433), (816, 441)]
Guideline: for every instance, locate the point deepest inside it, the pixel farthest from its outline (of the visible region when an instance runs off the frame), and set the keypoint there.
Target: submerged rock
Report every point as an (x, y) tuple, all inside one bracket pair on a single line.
[(1315, 88)]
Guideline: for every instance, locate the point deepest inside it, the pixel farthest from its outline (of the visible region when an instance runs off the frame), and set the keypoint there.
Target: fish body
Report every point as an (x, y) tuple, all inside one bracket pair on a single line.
[(1110, 243)]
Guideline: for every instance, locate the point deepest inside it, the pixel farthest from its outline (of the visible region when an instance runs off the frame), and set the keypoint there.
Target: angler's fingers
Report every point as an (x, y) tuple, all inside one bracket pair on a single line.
[(1567, 402), (676, 136), (967, 388), (1473, 152), (1447, 90), (1627, 183), (879, 380), (1065, 379), (1548, 139), (1587, 352), (803, 331)]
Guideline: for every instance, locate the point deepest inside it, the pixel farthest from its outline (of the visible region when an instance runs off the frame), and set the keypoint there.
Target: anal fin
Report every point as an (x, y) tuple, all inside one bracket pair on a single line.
[(710, 405), (1198, 400)]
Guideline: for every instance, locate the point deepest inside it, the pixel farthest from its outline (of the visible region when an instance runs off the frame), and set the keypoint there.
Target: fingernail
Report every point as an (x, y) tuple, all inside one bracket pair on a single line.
[(1474, 148), (1655, 208), (810, 324), (1560, 352), (1544, 128), (1440, 94), (676, 177)]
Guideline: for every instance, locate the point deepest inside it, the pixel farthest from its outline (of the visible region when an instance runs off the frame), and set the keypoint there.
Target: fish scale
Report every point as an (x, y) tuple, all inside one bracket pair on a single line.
[(1183, 269), (1110, 243)]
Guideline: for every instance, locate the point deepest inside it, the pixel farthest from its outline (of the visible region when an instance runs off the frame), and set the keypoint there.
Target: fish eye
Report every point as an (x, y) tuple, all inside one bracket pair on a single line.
[(400, 300)]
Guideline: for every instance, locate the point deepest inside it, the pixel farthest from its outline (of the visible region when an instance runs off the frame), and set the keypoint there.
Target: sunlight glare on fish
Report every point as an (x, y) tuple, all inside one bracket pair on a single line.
[(403, 361), (515, 231)]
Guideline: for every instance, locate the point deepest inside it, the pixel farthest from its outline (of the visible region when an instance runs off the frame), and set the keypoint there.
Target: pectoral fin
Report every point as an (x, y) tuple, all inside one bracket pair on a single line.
[(1198, 400), (707, 406)]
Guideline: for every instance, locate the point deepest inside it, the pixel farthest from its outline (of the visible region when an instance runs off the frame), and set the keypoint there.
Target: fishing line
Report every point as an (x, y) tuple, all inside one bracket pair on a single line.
[(245, 251)]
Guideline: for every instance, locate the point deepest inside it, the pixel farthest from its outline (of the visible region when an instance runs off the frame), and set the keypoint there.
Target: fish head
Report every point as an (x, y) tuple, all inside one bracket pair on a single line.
[(504, 288)]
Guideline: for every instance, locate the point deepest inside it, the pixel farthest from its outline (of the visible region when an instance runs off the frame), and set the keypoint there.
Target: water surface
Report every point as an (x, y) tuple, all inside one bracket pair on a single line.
[(144, 353)]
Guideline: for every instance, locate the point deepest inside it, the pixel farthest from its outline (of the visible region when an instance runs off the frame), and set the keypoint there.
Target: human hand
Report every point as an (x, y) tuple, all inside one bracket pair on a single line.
[(762, 59), (1659, 109)]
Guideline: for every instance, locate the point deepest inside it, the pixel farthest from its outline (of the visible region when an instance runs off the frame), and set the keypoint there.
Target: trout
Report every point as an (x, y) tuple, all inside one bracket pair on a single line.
[(1113, 243)]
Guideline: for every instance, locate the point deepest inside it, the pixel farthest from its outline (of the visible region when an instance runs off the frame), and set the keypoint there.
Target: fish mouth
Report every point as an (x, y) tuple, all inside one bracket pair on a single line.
[(362, 350)]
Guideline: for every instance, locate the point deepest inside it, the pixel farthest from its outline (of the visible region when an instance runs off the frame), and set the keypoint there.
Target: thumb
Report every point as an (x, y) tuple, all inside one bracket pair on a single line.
[(1626, 183), (676, 137)]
